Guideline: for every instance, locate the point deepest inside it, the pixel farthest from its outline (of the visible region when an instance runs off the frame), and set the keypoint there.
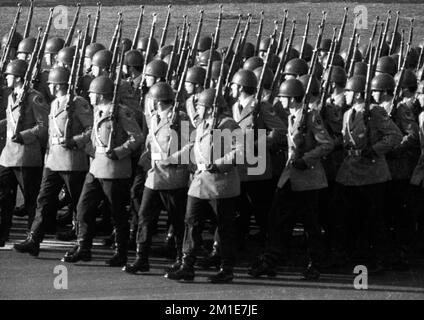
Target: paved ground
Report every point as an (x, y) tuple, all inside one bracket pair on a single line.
[(24, 277)]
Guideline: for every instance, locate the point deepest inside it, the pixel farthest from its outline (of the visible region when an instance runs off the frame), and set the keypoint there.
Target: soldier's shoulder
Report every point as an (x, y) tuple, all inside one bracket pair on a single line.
[(36, 98)]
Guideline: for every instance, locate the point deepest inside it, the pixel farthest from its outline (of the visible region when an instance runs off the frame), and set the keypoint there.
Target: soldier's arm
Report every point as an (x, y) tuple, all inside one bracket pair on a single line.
[(278, 129), (324, 142), (228, 160), (186, 131), (86, 118), (130, 126), (409, 127), (391, 136), (39, 131)]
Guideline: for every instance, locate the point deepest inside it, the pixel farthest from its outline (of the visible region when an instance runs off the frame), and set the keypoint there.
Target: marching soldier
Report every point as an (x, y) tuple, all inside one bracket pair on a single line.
[(65, 57), (142, 47), (90, 51), (109, 174), (66, 161), (193, 85), (364, 171), (299, 184), (167, 179), (22, 154), (16, 39), (314, 100), (215, 185), (295, 68), (409, 87), (25, 49), (53, 46)]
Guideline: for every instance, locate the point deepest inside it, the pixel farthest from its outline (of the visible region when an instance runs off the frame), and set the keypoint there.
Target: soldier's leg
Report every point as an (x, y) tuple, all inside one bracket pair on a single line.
[(136, 196), (29, 180), (8, 186), (261, 192), (245, 210)]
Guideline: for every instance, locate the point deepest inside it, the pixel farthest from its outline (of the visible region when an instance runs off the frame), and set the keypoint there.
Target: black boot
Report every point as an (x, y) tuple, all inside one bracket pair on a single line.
[(141, 263), (213, 260), (132, 243), (185, 272), (175, 266), (119, 259), (81, 253), (225, 275), (311, 272), (29, 245), (69, 235), (262, 267), (3, 238)]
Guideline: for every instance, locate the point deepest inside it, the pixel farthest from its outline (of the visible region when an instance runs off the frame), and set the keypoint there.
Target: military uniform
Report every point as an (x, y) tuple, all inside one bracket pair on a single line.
[(23, 162)]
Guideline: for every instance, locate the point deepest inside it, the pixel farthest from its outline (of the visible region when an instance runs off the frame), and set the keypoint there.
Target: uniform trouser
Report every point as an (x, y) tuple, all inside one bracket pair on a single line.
[(416, 203), (398, 214), (137, 188), (175, 203), (256, 198), (28, 178), (116, 194), (224, 210), (51, 185), (287, 207), (364, 229)]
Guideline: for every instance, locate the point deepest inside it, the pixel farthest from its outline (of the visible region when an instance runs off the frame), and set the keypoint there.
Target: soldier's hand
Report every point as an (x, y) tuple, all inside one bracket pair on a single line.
[(112, 155), (299, 164), (69, 144), (369, 153), (17, 138)]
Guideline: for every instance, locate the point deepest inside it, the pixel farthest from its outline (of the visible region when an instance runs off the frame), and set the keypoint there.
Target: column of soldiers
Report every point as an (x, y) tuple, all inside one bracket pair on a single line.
[(343, 144)]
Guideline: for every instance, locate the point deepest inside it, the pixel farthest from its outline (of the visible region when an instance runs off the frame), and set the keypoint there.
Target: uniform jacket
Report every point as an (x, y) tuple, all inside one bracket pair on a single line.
[(278, 151), (417, 178), (311, 144), (267, 120), (191, 109), (403, 159), (167, 171), (384, 136), (59, 158), (4, 94), (225, 183), (128, 138), (34, 132)]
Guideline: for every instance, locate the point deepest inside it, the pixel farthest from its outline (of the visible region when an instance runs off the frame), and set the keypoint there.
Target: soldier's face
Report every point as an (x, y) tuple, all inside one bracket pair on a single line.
[(10, 80), (203, 112), (285, 102), (377, 96), (48, 57), (289, 76), (349, 95), (189, 87), (150, 81), (95, 70), (420, 98), (22, 56), (87, 64), (94, 98), (235, 90), (262, 54), (52, 89)]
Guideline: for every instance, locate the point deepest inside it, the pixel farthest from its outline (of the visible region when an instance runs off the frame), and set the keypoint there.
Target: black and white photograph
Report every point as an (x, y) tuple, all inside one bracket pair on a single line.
[(211, 158)]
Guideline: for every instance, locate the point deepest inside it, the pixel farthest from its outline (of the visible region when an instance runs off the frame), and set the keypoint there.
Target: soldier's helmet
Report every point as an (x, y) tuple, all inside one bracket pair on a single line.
[(356, 83), (26, 45), (17, 68), (297, 67), (291, 88), (383, 82), (356, 57), (102, 59), (252, 63), (203, 59), (58, 75), (293, 54), (162, 91), (156, 68), (268, 76), (101, 85), (144, 42), (133, 58), (307, 51), (66, 55), (338, 61), (196, 75), (315, 85), (325, 45), (126, 43), (409, 79), (360, 69), (216, 69), (248, 50), (204, 44), (92, 48), (264, 44), (338, 76), (386, 64), (16, 39), (206, 98), (54, 45), (245, 78), (164, 51)]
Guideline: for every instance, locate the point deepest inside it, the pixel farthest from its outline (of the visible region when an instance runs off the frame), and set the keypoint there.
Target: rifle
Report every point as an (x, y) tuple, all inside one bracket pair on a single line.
[(73, 26), (395, 29), (29, 19), (367, 98), (283, 30), (326, 86), (115, 54), (282, 62), (40, 52), (305, 35), (115, 106), (26, 86), (96, 23), (321, 26), (259, 34), (183, 33), (82, 54), (6, 49), (402, 47), (137, 30), (149, 43), (333, 46), (218, 28), (170, 70), (218, 92), (208, 76), (165, 27), (380, 48), (184, 51), (73, 78), (351, 63), (116, 32), (372, 36), (196, 39), (420, 58), (233, 39), (350, 51), (380, 39), (341, 32), (232, 65)]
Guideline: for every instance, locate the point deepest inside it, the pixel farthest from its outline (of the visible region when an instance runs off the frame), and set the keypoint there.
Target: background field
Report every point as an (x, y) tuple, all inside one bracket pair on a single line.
[(273, 11)]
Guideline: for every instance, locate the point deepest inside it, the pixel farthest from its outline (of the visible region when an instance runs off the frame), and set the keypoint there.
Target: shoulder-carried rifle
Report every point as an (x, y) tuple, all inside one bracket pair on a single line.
[(165, 27), (70, 34), (116, 32), (386, 28), (233, 40), (115, 54), (84, 45), (6, 50), (282, 32), (351, 63), (395, 30), (371, 39), (29, 19), (137, 30), (208, 76), (193, 53), (259, 34), (96, 23), (172, 59), (305, 35), (342, 30), (218, 28)]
